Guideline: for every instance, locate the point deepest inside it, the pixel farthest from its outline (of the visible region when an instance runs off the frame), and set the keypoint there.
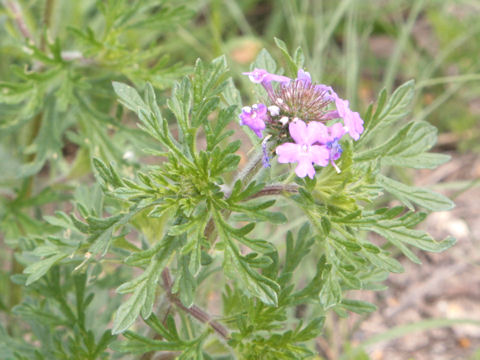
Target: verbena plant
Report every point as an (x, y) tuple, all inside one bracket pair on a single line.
[(193, 239)]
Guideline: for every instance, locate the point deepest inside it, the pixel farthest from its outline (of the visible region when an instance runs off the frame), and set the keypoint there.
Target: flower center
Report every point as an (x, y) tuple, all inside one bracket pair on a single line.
[(301, 99), (305, 148)]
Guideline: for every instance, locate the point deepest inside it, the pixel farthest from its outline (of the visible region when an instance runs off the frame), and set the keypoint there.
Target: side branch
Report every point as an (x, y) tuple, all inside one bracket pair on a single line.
[(275, 190), (18, 17), (195, 311)]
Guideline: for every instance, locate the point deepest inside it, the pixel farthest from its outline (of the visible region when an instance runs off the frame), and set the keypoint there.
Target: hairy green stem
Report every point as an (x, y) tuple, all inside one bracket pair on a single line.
[(249, 171)]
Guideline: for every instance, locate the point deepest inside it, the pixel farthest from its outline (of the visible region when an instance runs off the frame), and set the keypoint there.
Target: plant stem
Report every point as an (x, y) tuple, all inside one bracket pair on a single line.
[(195, 311), (18, 17), (47, 17), (275, 190), (249, 171)]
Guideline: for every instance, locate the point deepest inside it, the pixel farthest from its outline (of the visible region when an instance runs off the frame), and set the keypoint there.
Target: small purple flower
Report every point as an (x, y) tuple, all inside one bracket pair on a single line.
[(254, 117), (303, 151), (262, 76), (351, 119)]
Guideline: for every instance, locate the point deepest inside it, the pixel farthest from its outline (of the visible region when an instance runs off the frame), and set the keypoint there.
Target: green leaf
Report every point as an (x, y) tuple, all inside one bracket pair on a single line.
[(291, 64), (129, 97), (47, 144), (358, 306), (236, 266), (419, 161), (102, 229), (397, 107), (144, 286), (407, 194), (142, 299), (384, 262), (299, 58), (180, 104), (231, 94), (391, 230), (185, 284), (265, 61), (138, 344), (296, 252), (252, 282), (331, 293), (107, 173), (40, 268), (406, 148)]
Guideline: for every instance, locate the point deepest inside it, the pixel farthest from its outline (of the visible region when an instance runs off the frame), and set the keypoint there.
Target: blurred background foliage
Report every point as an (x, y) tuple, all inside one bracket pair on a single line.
[(58, 108)]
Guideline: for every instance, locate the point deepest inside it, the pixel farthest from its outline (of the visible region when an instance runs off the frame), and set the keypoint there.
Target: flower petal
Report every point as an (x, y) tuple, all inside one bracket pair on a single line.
[(254, 117), (261, 110), (354, 123), (320, 155), (342, 106), (352, 120), (278, 78), (336, 131), (305, 168), (263, 76), (288, 152), (257, 75), (317, 132), (298, 131)]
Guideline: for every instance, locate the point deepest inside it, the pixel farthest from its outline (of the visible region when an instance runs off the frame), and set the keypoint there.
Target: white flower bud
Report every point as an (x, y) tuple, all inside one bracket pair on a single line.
[(274, 110)]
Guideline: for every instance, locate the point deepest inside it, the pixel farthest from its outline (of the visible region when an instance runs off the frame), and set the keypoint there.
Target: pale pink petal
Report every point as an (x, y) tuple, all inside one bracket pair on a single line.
[(354, 124), (316, 132), (336, 131), (358, 123), (319, 155), (288, 152), (342, 106), (264, 77), (298, 131), (305, 168), (257, 75)]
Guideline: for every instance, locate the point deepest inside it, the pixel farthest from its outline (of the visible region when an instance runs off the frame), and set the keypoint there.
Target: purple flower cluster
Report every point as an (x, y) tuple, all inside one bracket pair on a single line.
[(306, 108)]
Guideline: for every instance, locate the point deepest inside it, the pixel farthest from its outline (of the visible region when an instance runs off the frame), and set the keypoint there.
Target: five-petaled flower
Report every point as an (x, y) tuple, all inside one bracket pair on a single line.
[(304, 151), (306, 108)]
